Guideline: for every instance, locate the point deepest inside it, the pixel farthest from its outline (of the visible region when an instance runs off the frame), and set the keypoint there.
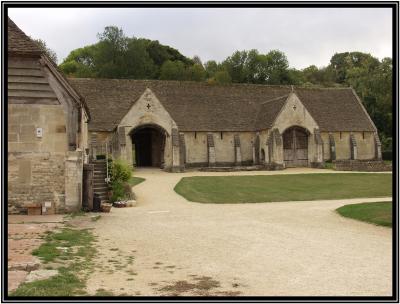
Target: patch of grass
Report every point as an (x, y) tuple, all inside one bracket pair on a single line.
[(95, 218), (133, 181), (284, 187), (67, 237), (78, 213), (375, 213), (102, 292), (328, 165), (63, 284), (70, 279)]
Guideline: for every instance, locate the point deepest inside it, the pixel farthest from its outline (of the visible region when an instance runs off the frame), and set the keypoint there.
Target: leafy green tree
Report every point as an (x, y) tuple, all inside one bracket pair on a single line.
[(372, 80), (172, 70), (196, 72), (342, 62), (296, 77), (211, 67), (196, 60), (221, 77), (118, 56), (277, 67), (138, 62), (235, 66)]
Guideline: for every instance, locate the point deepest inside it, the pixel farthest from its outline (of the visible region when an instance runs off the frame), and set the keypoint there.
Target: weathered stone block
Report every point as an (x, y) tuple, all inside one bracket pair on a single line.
[(12, 137), (24, 172), (28, 133)]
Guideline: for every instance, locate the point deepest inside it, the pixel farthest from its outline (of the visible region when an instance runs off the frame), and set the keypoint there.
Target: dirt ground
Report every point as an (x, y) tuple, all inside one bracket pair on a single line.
[(25, 233), (169, 246)]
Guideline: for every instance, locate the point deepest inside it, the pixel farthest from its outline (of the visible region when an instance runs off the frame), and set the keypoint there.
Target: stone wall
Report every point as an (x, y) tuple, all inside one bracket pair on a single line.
[(40, 168), (362, 165), (35, 178), (196, 148), (365, 145), (73, 180), (25, 120)]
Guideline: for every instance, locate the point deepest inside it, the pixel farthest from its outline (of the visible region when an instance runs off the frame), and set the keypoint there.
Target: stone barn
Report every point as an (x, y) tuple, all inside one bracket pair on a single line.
[(47, 131), (176, 125)]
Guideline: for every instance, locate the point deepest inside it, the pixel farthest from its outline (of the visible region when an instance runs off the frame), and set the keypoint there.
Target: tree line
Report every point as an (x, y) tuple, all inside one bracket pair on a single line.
[(117, 56)]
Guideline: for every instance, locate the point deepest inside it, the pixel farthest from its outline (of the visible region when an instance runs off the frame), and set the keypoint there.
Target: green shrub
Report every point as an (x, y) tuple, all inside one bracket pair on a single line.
[(387, 155), (120, 171), (118, 191)]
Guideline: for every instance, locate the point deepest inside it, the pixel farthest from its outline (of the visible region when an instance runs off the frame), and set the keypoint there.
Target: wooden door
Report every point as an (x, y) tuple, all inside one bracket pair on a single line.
[(295, 147)]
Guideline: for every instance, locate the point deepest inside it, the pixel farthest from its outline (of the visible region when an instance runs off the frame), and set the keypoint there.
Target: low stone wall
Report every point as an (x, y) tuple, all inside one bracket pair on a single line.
[(362, 165), (232, 169)]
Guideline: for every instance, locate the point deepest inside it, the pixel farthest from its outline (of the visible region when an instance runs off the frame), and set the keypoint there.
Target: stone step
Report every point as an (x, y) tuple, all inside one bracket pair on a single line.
[(100, 167), (100, 187), (99, 179), (101, 194), (100, 182), (100, 175)]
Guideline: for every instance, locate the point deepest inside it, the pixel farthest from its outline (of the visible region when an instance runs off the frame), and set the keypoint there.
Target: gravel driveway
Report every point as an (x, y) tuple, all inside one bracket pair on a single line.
[(168, 246)]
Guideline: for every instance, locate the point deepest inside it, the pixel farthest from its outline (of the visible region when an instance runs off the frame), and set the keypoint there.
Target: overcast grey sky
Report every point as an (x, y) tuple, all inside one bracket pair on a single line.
[(307, 35)]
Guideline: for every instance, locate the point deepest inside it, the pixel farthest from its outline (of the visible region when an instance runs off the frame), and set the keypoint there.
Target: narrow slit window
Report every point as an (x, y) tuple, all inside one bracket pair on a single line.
[(195, 135), (363, 135), (222, 136)]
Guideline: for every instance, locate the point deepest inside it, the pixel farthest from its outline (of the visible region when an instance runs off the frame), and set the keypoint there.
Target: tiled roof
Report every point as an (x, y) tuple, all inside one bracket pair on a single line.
[(199, 106), (19, 43)]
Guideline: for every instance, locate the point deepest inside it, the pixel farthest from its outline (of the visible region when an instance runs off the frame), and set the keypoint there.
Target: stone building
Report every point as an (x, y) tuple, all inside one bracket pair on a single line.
[(47, 131), (177, 125)]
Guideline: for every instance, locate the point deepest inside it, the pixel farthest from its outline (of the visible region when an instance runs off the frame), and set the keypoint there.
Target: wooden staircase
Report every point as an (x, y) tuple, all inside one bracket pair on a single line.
[(99, 179)]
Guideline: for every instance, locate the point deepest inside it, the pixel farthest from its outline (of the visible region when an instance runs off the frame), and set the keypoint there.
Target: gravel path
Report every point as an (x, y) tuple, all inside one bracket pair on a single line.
[(168, 246)]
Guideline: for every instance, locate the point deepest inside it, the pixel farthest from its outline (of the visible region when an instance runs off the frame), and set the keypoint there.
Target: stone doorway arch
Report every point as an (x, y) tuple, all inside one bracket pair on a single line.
[(295, 147), (148, 145)]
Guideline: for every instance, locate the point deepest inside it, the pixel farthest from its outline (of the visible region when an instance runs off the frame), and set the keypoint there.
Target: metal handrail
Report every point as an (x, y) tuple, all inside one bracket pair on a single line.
[(107, 176)]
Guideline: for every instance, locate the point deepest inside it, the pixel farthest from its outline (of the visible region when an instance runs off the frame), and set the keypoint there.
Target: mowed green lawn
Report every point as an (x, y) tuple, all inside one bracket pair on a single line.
[(133, 181), (376, 213), (284, 187)]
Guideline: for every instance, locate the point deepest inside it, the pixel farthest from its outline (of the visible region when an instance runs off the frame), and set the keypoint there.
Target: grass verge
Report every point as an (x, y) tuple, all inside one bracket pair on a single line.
[(133, 181), (375, 213), (73, 249), (284, 187)]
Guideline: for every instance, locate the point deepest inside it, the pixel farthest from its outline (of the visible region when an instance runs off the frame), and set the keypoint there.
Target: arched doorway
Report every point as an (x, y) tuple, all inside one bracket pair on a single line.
[(295, 147), (148, 142)]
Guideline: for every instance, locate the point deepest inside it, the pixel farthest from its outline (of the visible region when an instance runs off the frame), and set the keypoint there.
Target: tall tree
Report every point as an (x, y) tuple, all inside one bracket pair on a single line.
[(172, 70)]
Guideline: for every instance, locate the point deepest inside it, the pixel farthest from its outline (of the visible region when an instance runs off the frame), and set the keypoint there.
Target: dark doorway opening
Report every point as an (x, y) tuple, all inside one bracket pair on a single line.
[(148, 146)]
